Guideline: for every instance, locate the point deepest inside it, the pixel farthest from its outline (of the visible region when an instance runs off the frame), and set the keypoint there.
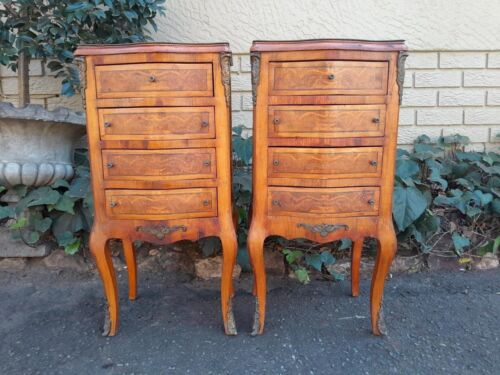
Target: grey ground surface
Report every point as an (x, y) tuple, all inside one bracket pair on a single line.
[(439, 323)]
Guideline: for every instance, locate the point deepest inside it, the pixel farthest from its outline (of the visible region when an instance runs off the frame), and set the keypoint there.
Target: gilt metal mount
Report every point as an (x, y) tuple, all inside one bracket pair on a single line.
[(323, 229), (160, 231), (255, 62), (226, 61), (401, 73)]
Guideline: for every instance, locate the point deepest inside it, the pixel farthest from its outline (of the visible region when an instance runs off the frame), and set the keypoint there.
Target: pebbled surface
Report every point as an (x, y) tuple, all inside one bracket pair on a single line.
[(438, 323), (425, 24)]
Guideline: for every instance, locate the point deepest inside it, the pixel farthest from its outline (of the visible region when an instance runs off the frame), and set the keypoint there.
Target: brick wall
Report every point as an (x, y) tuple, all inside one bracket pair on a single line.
[(445, 93), (44, 88)]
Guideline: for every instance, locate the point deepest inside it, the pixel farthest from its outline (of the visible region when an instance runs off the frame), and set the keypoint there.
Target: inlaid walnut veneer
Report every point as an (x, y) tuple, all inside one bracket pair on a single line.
[(158, 122), (325, 131)]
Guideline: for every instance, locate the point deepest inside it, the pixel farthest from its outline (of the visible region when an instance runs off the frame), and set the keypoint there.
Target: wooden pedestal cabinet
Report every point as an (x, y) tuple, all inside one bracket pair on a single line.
[(158, 118), (325, 130)]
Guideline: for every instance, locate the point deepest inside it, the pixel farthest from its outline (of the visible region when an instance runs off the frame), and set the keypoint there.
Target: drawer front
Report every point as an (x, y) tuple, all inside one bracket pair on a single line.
[(328, 78), (327, 121), (156, 123), (161, 204), (177, 164), (356, 201), (147, 80), (318, 163)]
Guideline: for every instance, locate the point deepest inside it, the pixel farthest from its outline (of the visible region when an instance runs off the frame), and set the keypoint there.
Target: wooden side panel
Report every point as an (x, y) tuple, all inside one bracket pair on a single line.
[(153, 79), (161, 204), (359, 201), (317, 163), (328, 78), (159, 164), (157, 123), (331, 121)]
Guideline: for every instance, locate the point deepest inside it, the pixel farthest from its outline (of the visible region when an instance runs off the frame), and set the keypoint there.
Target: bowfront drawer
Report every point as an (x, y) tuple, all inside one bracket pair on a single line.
[(328, 78), (156, 123), (326, 121), (161, 204), (159, 165), (328, 163), (356, 201), (153, 80)]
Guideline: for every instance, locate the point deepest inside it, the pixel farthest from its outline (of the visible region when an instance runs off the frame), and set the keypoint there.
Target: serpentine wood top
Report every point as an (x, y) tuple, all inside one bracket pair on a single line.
[(319, 44), (116, 49)]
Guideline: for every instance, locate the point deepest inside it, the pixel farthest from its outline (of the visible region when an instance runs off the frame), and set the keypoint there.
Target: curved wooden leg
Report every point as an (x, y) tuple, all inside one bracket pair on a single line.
[(128, 249), (100, 249), (229, 253), (385, 254), (357, 246), (255, 243)]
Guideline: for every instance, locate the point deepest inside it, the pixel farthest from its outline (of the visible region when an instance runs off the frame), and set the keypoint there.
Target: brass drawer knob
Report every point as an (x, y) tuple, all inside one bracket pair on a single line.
[(331, 77), (206, 163), (206, 202), (109, 165), (204, 123), (113, 204), (276, 121), (373, 162), (152, 79), (276, 202), (276, 162), (107, 124), (371, 202), (376, 120)]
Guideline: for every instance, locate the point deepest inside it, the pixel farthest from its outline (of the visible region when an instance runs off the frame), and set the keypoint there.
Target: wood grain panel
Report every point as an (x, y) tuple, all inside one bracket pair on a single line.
[(161, 204), (328, 78), (151, 80), (156, 123), (355, 201), (159, 164), (314, 163), (326, 121)]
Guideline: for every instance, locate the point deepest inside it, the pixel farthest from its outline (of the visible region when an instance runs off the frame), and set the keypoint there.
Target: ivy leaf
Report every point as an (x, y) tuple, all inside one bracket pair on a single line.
[(60, 183), (292, 256), (19, 224), (42, 225), (491, 246), (65, 204), (409, 204), (73, 247), (7, 211), (302, 275), (459, 242), (406, 168), (327, 258), (314, 260), (31, 237)]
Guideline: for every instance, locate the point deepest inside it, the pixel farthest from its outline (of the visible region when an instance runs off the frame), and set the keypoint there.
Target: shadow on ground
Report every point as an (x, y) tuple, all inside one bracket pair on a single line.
[(439, 323)]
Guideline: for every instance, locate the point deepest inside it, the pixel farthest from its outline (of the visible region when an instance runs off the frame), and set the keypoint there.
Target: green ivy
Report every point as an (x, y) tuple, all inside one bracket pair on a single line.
[(63, 211), (52, 29), (441, 192)]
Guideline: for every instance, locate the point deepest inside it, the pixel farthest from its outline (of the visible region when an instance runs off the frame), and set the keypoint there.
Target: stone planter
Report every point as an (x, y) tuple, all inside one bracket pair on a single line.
[(36, 145), (36, 149)]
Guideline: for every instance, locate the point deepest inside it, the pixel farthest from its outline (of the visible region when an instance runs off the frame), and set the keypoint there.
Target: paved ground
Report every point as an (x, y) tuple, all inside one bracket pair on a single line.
[(439, 323)]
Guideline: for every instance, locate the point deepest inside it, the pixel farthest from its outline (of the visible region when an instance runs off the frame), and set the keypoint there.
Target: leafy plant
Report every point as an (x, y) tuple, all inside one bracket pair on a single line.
[(52, 29), (441, 189), (63, 211)]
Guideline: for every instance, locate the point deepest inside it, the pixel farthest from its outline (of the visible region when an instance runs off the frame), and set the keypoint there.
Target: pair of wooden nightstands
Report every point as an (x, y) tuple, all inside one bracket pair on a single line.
[(325, 126)]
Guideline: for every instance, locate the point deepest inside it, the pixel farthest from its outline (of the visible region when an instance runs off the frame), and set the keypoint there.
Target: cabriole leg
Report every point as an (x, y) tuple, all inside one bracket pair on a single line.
[(386, 251), (128, 249), (255, 243), (100, 249), (229, 251)]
